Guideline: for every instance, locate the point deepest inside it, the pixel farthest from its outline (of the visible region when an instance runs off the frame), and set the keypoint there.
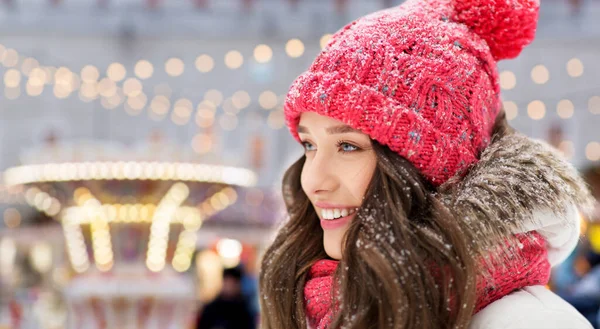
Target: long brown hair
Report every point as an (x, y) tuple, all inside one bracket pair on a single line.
[(406, 260)]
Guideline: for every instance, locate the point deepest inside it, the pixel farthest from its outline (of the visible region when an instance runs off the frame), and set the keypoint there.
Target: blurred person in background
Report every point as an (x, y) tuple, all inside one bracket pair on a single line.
[(231, 309), (415, 205)]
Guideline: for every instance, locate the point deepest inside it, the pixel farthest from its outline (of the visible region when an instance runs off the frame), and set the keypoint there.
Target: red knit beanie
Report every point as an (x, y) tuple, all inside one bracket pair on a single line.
[(420, 78)]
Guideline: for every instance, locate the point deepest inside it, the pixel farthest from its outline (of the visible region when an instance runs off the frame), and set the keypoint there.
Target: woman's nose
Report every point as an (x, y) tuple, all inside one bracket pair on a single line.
[(319, 175)]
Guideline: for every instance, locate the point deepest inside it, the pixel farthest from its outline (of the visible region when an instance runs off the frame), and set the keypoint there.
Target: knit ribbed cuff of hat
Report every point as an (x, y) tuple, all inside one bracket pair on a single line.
[(384, 119)]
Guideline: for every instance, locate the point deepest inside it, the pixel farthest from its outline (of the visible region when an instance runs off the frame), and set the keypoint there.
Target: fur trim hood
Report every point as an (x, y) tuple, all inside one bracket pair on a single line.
[(520, 185)]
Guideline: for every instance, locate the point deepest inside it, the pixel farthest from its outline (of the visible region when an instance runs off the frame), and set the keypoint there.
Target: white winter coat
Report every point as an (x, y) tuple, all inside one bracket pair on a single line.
[(536, 307)]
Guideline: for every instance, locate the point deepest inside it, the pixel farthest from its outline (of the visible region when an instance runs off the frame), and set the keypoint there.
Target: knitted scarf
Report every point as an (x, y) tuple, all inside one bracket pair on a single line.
[(530, 267)]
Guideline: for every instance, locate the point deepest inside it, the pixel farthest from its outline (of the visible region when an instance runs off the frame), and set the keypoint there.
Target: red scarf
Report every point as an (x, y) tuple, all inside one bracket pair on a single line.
[(529, 269)]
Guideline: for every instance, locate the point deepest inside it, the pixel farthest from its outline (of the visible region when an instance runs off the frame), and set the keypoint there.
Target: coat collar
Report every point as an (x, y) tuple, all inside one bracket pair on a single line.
[(519, 185)]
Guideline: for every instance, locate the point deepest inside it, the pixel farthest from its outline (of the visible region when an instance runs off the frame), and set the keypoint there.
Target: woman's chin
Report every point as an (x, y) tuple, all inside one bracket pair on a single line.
[(333, 247)]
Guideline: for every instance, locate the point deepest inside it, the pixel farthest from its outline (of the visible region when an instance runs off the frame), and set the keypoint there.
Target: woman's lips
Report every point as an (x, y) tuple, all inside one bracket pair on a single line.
[(332, 224)]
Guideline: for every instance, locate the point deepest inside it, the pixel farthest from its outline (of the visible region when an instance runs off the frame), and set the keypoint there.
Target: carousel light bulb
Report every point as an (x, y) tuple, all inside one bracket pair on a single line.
[(81, 267), (104, 267), (54, 208), (155, 266), (181, 263)]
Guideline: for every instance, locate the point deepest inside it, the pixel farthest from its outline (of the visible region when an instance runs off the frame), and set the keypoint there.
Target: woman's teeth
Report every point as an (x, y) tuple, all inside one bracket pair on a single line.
[(336, 213)]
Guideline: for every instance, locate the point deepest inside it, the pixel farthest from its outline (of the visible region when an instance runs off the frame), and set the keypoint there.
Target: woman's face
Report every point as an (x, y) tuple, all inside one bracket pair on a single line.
[(340, 162)]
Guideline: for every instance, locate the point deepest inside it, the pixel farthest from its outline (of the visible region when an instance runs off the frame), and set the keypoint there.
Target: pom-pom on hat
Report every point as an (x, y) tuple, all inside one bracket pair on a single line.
[(420, 78)]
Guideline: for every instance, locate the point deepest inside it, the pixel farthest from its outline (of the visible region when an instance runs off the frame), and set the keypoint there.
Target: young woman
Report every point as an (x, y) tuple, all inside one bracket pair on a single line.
[(415, 205)]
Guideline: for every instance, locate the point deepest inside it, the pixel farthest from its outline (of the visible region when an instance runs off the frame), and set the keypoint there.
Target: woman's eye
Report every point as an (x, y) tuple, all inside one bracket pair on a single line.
[(345, 147), (308, 146)]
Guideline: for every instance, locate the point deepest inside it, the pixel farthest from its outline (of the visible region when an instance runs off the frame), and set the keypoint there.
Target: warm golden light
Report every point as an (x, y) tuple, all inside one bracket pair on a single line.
[(34, 90), (90, 74), (116, 72), (565, 109), (294, 48), (37, 77), (204, 63), (132, 87), (540, 74), (28, 65), (159, 230), (106, 87), (263, 53), (114, 170), (160, 105), (11, 58), (12, 218), (61, 91), (241, 99), (174, 67), (267, 100), (234, 59), (182, 110), (575, 67), (592, 151), (144, 69), (230, 251), (89, 90), (138, 102), (183, 107), (325, 40), (214, 96), (205, 118), (536, 110), (12, 78), (594, 104), (41, 257), (508, 80)]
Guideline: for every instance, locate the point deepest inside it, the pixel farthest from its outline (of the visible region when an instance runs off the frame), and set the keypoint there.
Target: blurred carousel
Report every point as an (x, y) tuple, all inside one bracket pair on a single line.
[(130, 218)]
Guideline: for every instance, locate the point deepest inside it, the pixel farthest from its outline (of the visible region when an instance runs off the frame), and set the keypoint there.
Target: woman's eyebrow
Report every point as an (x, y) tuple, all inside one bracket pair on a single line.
[(341, 129), (302, 130)]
